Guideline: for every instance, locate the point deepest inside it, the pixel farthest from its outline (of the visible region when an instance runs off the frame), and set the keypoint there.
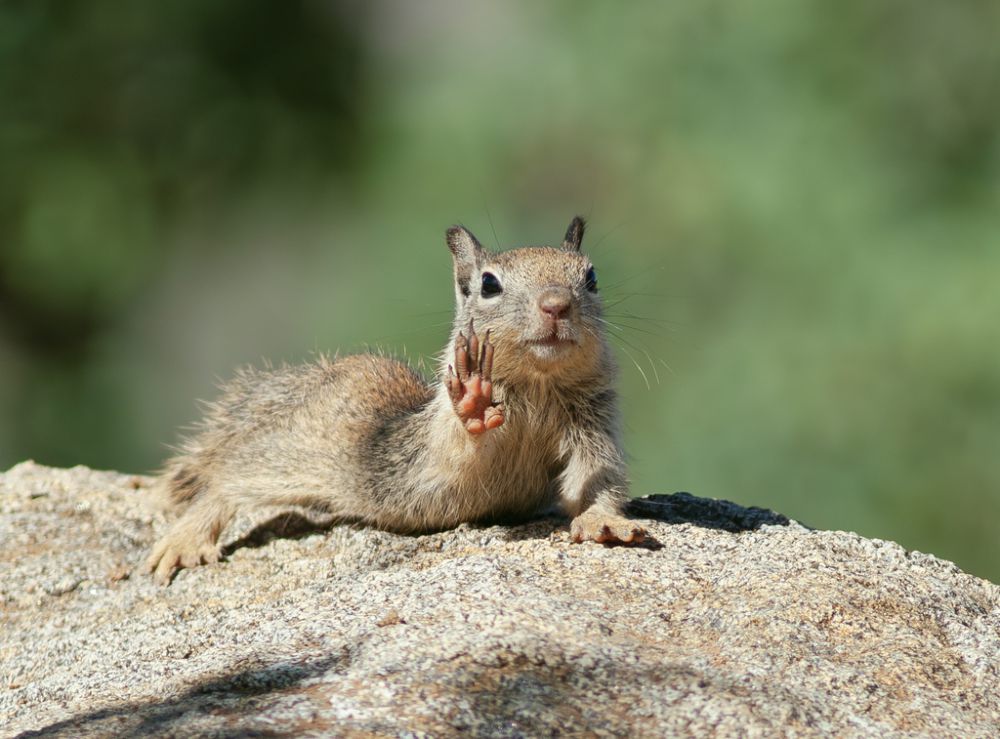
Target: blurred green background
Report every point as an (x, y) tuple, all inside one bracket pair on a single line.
[(793, 206)]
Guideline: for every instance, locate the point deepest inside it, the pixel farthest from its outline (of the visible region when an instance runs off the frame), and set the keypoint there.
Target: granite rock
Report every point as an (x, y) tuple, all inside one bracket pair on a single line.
[(731, 621)]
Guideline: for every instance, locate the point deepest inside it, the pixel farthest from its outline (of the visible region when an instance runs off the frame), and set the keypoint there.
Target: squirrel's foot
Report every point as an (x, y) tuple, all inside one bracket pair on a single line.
[(182, 546), (470, 383), (605, 528)]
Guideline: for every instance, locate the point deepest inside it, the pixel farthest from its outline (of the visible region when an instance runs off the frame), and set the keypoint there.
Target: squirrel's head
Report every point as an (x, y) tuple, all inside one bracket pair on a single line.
[(540, 304)]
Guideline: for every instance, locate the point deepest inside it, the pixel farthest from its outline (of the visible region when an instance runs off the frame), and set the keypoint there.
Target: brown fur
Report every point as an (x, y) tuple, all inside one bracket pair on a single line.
[(366, 439)]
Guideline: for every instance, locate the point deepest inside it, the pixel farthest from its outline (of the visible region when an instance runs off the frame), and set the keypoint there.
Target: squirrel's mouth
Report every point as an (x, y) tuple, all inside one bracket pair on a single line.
[(551, 343)]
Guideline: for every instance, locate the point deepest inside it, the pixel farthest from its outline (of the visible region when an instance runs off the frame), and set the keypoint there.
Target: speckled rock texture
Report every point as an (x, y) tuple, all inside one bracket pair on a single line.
[(734, 622)]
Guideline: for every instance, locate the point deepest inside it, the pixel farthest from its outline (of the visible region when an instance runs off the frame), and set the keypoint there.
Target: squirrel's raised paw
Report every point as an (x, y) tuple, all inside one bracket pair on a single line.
[(174, 552), (606, 528), (470, 383)]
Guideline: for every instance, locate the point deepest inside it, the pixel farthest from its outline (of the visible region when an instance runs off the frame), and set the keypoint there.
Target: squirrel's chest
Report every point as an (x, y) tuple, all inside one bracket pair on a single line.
[(513, 473), (533, 437), (509, 471)]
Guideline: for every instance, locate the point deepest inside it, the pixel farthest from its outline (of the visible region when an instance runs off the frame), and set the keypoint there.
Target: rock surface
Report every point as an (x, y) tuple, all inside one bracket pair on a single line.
[(736, 621)]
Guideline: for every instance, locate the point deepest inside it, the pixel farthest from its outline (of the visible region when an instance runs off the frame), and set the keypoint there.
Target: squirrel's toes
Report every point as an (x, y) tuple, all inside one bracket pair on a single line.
[(605, 528), (179, 550)]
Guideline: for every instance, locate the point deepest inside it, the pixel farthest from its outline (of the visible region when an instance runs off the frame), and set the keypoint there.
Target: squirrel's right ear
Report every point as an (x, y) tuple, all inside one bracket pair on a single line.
[(574, 234), (467, 254)]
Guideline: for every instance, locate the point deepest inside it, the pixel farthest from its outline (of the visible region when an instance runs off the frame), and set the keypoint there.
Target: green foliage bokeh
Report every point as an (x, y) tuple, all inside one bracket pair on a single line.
[(793, 207)]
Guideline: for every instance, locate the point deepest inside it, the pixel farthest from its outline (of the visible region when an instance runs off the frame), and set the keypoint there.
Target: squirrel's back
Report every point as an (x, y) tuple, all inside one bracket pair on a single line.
[(265, 423)]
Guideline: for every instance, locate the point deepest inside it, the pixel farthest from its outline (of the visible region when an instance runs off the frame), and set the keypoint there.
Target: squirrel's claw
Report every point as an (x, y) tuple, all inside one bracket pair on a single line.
[(462, 357), (454, 385), (473, 350), (486, 362)]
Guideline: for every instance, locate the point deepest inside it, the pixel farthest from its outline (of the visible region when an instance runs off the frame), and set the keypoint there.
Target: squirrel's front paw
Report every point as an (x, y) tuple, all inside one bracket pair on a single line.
[(470, 383), (606, 529)]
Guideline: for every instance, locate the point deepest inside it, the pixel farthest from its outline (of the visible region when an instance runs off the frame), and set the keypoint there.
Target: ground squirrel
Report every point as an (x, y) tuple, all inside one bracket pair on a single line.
[(523, 415)]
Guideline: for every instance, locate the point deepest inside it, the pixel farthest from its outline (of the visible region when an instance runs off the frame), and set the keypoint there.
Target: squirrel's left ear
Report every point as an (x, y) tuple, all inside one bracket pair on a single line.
[(574, 234), (467, 255)]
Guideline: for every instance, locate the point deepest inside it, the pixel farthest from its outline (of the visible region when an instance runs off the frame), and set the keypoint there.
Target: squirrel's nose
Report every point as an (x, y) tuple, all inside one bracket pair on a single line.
[(555, 301)]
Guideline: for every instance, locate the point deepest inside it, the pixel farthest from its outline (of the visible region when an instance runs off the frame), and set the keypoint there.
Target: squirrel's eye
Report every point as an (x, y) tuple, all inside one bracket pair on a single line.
[(491, 285), (591, 280)]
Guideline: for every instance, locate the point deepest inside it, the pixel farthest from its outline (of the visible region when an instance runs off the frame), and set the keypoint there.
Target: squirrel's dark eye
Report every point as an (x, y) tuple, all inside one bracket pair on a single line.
[(491, 285), (591, 280)]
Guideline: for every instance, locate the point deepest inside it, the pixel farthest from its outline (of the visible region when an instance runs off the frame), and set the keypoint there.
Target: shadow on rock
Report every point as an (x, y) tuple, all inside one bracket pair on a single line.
[(290, 525), (535, 529), (704, 512), (677, 508), (238, 694), (517, 696)]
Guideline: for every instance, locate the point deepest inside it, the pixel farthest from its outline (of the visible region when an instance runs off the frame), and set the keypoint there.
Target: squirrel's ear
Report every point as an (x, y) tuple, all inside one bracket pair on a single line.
[(467, 254), (574, 234)]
